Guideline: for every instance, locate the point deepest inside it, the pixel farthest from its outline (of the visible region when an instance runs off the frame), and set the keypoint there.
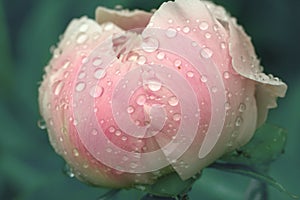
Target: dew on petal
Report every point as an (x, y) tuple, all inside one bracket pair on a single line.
[(75, 152), (242, 107), (154, 85), (186, 29), (203, 26), (141, 60), (226, 75), (171, 32), (94, 132), (58, 87), (160, 55), (204, 79), (190, 74), (130, 109), (173, 101), (238, 121), (150, 44), (96, 91), (83, 27), (97, 61), (99, 73), (176, 117), (206, 52), (141, 100), (81, 38), (80, 86), (41, 124)]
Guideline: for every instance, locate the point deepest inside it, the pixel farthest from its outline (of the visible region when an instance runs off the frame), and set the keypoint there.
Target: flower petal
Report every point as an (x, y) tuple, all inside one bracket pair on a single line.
[(124, 19), (245, 62)]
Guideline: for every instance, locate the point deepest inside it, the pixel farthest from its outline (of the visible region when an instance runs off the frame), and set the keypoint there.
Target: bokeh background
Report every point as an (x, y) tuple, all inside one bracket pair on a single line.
[(29, 168)]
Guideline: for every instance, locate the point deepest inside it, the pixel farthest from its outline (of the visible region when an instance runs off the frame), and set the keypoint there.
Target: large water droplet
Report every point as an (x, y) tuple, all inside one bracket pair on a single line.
[(58, 85), (80, 86), (203, 26), (206, 52), (171, 32), (150, 44), (96, 91), (154, 85), (173, 101)]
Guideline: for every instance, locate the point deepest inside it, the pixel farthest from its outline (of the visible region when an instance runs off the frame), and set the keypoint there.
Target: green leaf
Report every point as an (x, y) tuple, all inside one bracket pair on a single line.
[(267, 145), (169, 185), (250, 172)]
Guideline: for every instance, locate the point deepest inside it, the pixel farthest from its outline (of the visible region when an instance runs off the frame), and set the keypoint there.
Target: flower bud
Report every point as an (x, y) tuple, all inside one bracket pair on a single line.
[(132, 95)]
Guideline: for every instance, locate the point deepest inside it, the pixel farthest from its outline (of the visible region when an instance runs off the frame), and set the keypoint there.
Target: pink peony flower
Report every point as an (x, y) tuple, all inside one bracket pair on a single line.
[(133, 95)]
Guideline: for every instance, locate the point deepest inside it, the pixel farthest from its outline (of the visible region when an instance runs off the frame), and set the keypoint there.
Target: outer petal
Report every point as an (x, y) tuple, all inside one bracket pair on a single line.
[(192, 19), (124, 19), (57, 105), (246, 63)]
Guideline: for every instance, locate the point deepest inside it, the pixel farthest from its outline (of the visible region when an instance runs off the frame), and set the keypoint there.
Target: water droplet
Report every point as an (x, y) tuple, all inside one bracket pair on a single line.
[(173, 101), (124, 138), (99, 73), (150, 44), (94, 132), (214, 89), (171, 32), (58, 85), (207, 35), (238, 121), (170, 21), (66, 64), (118, 133), (125, 158), (97, 61), (223, 45), (203, 79), (190, 74), (141, 60), (75, 152), (133, 165), (177, 63), (41, 124), (111, 129), (206, 52), (203, 26), (242, 107), (130, 109), (81, 75), (227, 106), (81, 38), (108, 27), (84, 27), (85, 60), (108, 150), (141, 99), (160, 55), (154, 86), (226, 75), (176, 117), (96, 91), (186, 29), (80, 86)]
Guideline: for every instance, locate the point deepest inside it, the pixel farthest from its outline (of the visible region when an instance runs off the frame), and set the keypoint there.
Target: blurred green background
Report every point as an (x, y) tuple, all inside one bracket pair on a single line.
[(29, 168)]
